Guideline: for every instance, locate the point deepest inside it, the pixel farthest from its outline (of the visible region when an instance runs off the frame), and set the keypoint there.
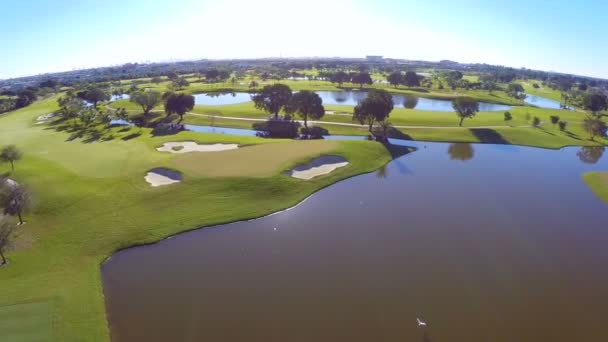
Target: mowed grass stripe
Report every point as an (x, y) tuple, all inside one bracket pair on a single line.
[(31, 322)]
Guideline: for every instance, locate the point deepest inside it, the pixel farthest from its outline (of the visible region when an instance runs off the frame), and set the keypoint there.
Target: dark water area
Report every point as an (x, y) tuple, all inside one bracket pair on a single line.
[(482, 242)]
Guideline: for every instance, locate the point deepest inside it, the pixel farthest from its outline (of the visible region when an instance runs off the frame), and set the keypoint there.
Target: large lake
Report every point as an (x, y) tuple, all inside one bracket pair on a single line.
[(350, 98), (483, 242)]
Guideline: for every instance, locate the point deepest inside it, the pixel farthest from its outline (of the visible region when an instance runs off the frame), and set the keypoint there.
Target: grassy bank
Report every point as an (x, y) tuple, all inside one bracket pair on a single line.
[(90, 199), (598, 183)]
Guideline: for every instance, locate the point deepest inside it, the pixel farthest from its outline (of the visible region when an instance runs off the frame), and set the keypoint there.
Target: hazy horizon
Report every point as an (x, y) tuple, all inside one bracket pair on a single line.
[(45, 37)]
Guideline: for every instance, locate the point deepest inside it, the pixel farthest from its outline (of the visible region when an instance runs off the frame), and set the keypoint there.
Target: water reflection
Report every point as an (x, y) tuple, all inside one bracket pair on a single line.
[(410, 102), (382, 172), (461, 151), (590, 154)]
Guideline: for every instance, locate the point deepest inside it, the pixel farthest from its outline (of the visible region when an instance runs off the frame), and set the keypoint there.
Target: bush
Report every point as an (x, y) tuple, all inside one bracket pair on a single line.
[(535, 85), (554, 119), (536, 122), (277, 128), (562, 125), (508, 116), (314, 132)]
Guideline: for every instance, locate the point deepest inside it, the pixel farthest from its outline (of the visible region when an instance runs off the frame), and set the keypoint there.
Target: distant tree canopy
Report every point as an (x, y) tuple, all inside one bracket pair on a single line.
[(595, 103), (215, 75), (25, 97), (147, 100), (179, 83), (272, 98), (50, 83), (339, 77), (306, 104), (410, 79), (361, 78), (465, 107), (376, 107), (178, 104)]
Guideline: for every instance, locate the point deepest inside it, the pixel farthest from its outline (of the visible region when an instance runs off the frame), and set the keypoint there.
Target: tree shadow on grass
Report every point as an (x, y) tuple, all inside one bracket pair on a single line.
[(131, 136), (488, 136)]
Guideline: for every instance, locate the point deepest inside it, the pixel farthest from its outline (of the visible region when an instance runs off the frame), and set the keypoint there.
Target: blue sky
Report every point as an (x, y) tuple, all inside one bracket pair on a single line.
[(38, 36)]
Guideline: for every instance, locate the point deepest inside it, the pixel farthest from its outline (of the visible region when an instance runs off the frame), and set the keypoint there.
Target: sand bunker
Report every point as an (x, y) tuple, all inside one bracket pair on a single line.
[(159, 177), (191, 146), (318, 167), (44, 118)]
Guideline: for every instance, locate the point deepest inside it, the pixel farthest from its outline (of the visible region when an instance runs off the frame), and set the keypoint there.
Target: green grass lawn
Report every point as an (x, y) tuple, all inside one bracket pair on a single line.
[(542, 91), (90, 200), (30, 322), (598, 183)]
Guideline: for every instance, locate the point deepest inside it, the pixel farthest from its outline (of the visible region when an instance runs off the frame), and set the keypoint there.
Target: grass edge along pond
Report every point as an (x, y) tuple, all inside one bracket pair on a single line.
[(598, 183), (90, 200)]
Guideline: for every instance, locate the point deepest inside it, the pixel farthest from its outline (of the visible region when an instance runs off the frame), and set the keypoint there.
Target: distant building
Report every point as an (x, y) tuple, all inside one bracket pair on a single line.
[(374, 59)]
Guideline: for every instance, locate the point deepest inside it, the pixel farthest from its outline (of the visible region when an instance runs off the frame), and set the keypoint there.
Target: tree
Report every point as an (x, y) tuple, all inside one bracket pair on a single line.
[(6, 235), (410, 102), (595, 103), (15, 199), (590, 154), (179, 83), (362, 78), (70, 106), (156, 80), (488, 82), (461, 151), (395, 78), (339, 77), (411, 79), (452, 78), (253, 85), (272, 98), (147, 100), (595, 127), (94, 95), (121, 114), (25, 97), (516, 91), (508, 116), (87, 116), (306, 104), (536, 122), (375, 107), (562, 125), (465, 107), (10, 154), (178, 104), (554, 119)]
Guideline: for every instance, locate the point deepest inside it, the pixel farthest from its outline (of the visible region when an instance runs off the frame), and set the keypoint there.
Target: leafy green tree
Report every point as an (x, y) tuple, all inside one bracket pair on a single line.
[(15, 199), (272, 98), (562, 125), (306, 104), (10, 154), (94, 95), (178, 104), (179, 83), (488, 82), (253, 85), (595, 127), (465, 107), (70, 107), (536, 122), (376, 107), (121, 114), (339, 77), (6, 235), (410, 79), (554, 119), (147, 100), (516, 91), (508, 116), (361, 78), (595, 103), (87, 116), (395, 78)]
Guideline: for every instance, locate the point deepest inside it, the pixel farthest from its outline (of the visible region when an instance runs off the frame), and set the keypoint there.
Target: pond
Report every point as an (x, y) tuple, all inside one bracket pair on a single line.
[(542, 102), (482, 242), (351, 98), (218, 99), (120, 97)]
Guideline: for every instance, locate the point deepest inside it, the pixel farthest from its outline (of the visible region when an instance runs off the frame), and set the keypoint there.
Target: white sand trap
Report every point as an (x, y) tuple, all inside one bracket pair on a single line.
[(10, 183), (44, 118), (159, 177), (191, 146), (318, 167)]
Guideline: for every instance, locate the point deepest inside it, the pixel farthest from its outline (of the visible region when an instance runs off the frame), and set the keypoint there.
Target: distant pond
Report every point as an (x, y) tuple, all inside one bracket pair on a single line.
[(349, 98), (542, 102)]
